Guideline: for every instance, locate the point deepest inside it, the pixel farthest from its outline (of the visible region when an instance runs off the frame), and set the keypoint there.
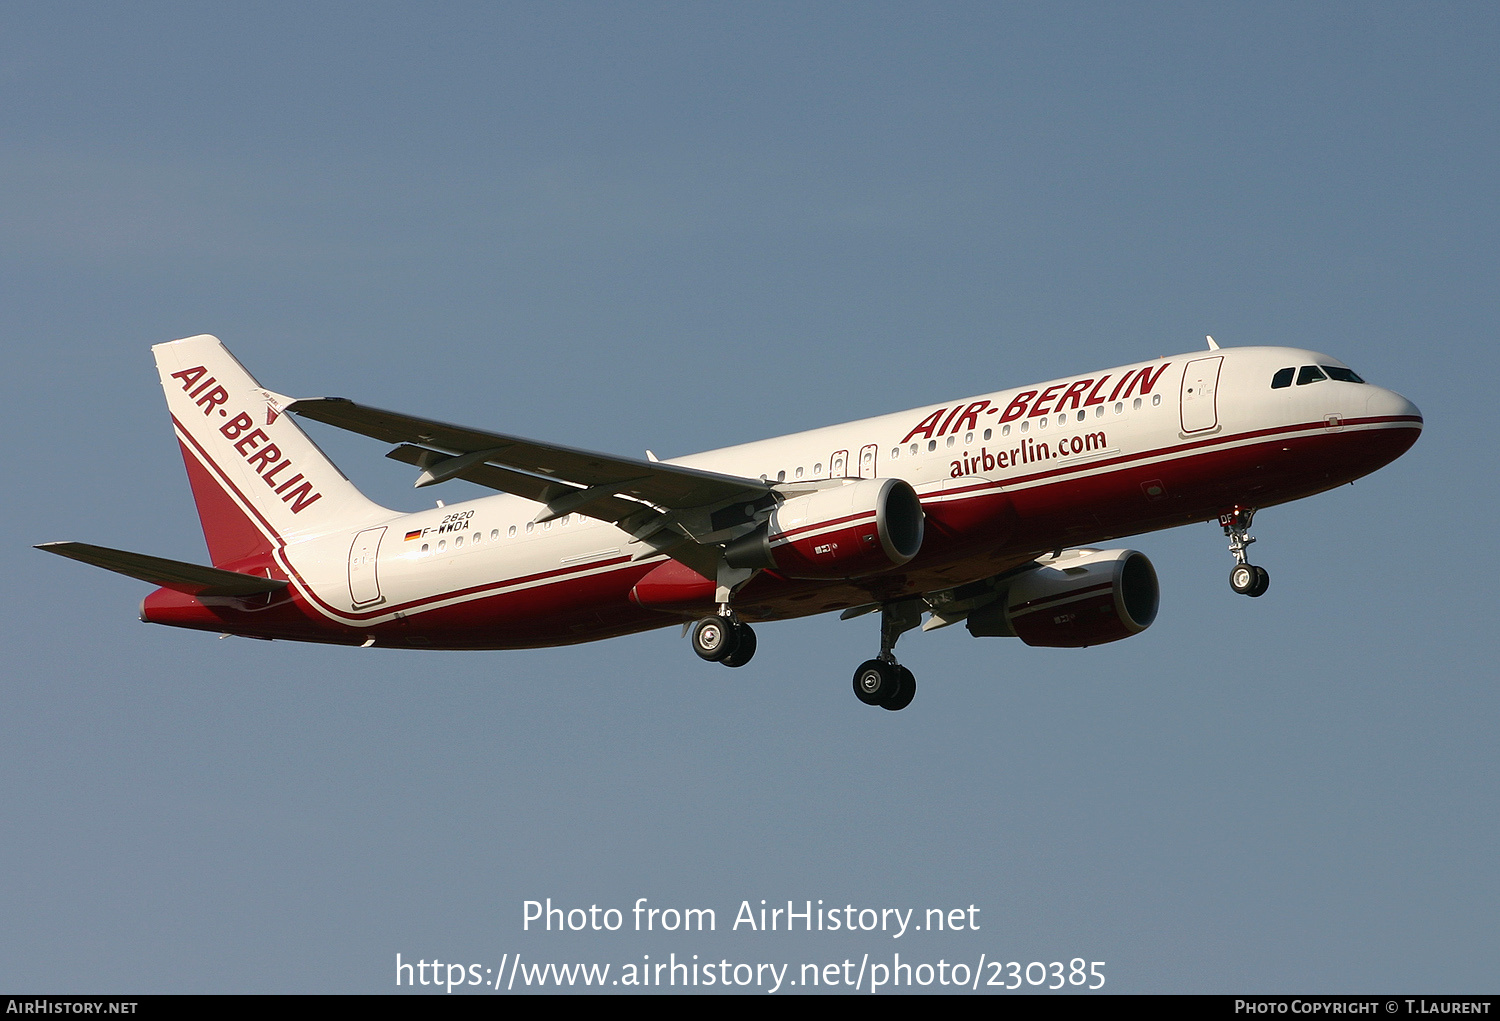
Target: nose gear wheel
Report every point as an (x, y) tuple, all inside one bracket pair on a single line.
[(1246, 578)]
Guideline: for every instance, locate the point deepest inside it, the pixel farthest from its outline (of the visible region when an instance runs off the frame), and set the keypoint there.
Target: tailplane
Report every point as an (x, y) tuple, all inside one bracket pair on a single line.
[(257, 478), (173, 574)]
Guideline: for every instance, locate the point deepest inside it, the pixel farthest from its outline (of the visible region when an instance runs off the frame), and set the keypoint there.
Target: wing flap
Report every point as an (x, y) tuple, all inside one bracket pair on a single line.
[(193, 579), (604, 506)]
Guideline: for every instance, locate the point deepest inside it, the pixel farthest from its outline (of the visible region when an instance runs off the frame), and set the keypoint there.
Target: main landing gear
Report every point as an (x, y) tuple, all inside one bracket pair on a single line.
[(723, 638), (882, 681), (1245, 578)]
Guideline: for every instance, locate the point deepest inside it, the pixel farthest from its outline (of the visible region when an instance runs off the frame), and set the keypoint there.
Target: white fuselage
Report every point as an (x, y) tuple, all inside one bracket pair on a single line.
[(1063, 435)]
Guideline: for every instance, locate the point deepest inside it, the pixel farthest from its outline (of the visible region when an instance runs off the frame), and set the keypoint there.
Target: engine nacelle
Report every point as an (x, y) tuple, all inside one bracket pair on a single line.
[(849, 531), (1084, 597)]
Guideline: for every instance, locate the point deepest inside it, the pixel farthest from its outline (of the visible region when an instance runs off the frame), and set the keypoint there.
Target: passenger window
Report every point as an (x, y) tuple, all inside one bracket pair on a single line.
[(1041, 423), (426, 549), (1136, 405), (968, 437), (1099, 411), (530, 527), (1119, 407), (895, 452), (988, 433), (781, 475), (512, 533), (951, 439), (932, 444), (818, 468), (799, 470), (1081, 414), (1025, 426), (1310, 374), (458, 542), (1005, 430), (442, 545), (495, 534), (1283, 378), (1155, 400)]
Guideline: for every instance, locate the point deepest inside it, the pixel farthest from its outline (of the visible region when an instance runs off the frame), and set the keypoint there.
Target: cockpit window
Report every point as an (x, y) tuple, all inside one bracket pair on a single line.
[(1340, 374), (1282, 378), (1310, 374)]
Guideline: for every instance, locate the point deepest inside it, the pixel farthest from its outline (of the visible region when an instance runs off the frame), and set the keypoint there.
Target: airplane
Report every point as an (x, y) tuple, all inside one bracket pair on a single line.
[(986, 510)]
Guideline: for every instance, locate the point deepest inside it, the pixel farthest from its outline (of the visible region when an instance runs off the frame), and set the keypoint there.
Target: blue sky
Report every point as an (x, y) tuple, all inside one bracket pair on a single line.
[(684, 226)]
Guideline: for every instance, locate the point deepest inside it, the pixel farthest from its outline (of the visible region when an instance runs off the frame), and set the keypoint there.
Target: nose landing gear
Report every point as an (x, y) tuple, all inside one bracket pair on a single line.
[(1245, 578)]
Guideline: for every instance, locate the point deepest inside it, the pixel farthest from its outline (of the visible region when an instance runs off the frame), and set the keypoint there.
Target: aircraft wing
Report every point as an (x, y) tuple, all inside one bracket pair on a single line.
[(568, 480)]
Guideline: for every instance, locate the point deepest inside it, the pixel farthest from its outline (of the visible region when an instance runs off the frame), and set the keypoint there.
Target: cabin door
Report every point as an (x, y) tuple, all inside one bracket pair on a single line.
[(364, 581), (1200, 402)]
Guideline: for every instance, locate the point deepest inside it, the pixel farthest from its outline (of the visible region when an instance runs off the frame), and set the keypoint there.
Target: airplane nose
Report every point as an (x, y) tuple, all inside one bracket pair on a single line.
[(1382, 403)]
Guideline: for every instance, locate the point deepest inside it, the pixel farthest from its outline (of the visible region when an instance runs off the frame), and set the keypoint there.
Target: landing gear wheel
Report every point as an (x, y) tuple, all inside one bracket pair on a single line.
[(716, 638), (904, 694), (876, 682), (1243, 579), (1262, 582), (744, 649)]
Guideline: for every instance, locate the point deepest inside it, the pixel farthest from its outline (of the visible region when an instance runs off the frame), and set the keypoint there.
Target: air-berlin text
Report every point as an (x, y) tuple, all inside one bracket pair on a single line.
[(250, 443), (1074, 395)]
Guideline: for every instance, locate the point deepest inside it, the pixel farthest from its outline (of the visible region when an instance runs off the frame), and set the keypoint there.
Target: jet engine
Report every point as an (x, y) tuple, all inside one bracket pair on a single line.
[(850, 531), (1080, 598)]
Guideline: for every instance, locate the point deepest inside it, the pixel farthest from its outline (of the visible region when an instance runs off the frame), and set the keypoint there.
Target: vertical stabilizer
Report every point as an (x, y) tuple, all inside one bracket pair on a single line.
[(257, 478)]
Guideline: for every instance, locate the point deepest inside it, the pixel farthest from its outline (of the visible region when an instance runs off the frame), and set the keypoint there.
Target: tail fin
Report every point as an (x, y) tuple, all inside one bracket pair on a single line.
[(257, 478)]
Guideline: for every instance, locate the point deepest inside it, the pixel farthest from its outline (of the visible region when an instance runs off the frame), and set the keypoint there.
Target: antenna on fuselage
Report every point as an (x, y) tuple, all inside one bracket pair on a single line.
[(1211, 345)]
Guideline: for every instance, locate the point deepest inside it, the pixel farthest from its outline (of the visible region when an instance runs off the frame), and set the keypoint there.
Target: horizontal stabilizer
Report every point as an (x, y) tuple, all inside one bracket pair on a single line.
[(173, 574)]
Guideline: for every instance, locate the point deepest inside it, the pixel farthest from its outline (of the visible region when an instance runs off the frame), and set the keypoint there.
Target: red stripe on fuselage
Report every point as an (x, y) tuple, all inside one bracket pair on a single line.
[(1393, 421)]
